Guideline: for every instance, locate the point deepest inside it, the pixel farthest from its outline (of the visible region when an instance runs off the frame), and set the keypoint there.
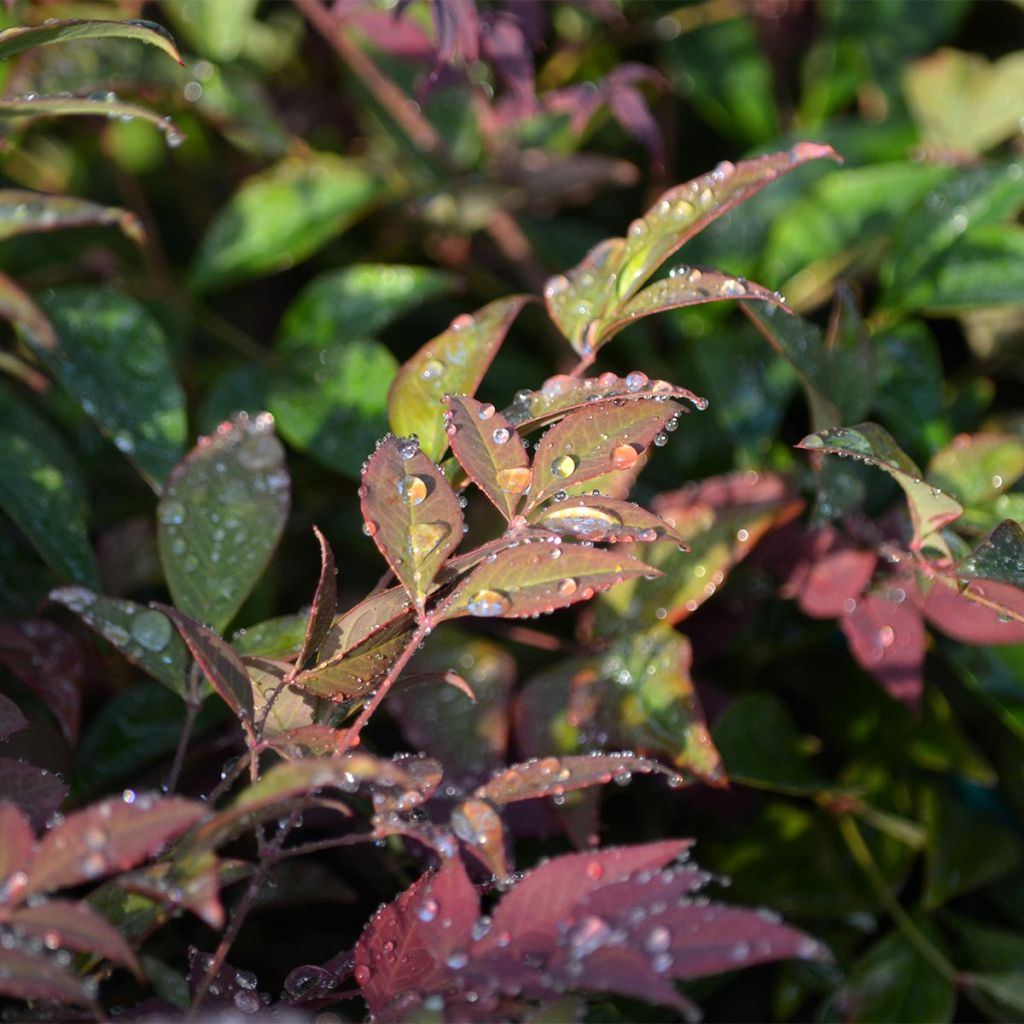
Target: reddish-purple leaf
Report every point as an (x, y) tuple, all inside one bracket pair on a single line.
[(453, 363), (478, 824), (831, 576), (218, 661), (75, 926), (30, 976), (359, 623), (325, 603), (36, 791), (411, 512), (456, 24), (412, 944), (11, 718), (608, 520), (539, 577), (110, 836), (191, 882), (49, 662), (16, 845), (588, 299), (490, 451), (888, 640), (962, 615), (554, 776), (308, 741), (591, 442), (563, 394)]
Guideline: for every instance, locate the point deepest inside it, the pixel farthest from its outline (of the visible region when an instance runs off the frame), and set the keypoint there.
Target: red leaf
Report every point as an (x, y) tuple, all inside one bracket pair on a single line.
[(11, 718), (35, 790), (107, 837), (218, 660), (411, 512), (831, 577), (325, 603), (16, 843), (49, 662), (26, 976), (608, 520), (591, 442), (538, 577), (412, 944), (75, 926), (954, 612), (887, 638), (490, 451)]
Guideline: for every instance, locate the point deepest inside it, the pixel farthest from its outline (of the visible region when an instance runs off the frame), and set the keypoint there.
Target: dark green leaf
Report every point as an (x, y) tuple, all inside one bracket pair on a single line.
[(72, 106), (17, 40), (274, 638), (18, 308)]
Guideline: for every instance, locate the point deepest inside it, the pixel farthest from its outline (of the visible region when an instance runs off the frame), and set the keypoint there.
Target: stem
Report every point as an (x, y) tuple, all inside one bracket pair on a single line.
[(241, 762), (192, 705), (326, 844), (866, 862)]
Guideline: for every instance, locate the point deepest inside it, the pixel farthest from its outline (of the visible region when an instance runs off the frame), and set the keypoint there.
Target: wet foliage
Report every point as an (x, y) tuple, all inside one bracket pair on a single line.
[(424, 596)]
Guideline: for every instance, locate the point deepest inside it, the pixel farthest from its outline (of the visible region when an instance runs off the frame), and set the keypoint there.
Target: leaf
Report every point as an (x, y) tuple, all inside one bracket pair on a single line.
[(411, 512), (24, 212), (76, 926), (977, 468), (279, 637), (452, 363), (930, 508), (143, 635), (34, 791), (112, 357), (17, 40), (325, 603), (218, 30), (108, 837), (608, 520), (17, 842), (589, 443), (282, 216), (41, 490), (28, 976), (490, 451), (831, 573), (406, 947), (585, 302), (563, 394), (218, 661), (221, 516), (360, 622), (478, 824), (999, 557), (74, 106), (554, 776), (761, 746), (1005, 986), (291, 708), (11, 718), (18, 309), (537, 577)]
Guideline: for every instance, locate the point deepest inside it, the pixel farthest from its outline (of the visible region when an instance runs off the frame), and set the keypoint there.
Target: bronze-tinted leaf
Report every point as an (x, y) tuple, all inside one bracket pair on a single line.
[(24, 37), (17, 307), (591, 442), (539, 577), (24, 212), (478, 824), (325, 602), (411, 512), (359, 623), (453, 363), (114, 835), (608, 520), (277, 707), (16, 844), (26, 976), (490, 451)]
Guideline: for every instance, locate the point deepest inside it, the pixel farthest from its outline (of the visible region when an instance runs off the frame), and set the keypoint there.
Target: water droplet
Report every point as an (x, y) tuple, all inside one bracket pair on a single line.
[(172, 512), (624, 456), (589, 934), (413, 489), (488, 604), (425, 537), (886, 636), (515, 481), (659, 940), (247, 1002), (636, 380), (463, 322), (432, 369), (407, 447), (246, 980), (151, 630), (567, 587), (427, 910), (95, 837), (457, 960), (486, 411), (638, 228), (731, 288), (563, 466)]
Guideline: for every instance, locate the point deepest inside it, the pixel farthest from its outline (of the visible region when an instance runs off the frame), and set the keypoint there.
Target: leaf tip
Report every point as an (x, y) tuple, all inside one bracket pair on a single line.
[(811, 442)]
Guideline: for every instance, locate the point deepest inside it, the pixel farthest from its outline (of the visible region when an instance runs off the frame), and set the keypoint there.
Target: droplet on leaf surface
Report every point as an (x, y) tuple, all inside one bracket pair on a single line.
[(413, 489), (563, 467), (488, 604), (516, 480)]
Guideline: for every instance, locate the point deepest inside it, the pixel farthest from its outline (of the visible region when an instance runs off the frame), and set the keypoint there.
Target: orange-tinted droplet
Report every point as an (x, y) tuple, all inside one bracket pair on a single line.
[(516, 480), (624, 456)]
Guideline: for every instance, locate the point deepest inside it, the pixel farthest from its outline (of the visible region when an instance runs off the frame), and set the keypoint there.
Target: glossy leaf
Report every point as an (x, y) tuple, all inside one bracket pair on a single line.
[(538, 577), (278, 637), (111, 836), (74, 926), (277, 707), (490, 451), (977, 468), (74, 106), (411, 512), (554, 776), (23, 212), (218, 661), (585, 302), (29, 976), (608, 520), (17, 842), (17, 40), (41, 490), (221, 516), (478, 824), (325, 603), (280, 217), (563, 394), (113, 358), (452, 363), (589, 443), (999, 557), (930, 508), (359, 623)]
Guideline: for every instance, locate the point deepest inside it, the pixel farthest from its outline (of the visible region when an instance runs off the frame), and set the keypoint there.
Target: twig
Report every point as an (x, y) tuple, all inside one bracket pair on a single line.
[(193, 702)]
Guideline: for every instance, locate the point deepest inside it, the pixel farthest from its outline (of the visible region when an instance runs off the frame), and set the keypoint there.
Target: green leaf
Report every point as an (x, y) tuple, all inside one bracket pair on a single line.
[(279, 637), (608, 520), (452, 363), (17, 40), (1007, 987), (1000, 556), (24, 212), (221, 517), (143, 635), (108, 106), (930, 508), (280, 217), (356, 301), (332, 402), (587, 301), (761, 746), (411, 512), (216, 28), (40, 489), (977, 468), (113, 358)]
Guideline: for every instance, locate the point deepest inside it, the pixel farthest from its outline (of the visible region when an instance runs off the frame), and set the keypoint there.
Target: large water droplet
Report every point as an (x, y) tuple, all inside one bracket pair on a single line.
[(658, 940), (636, 380), (413, 489), (515, 481), (731, 288), (487, 604), (151, 630), (567, 587), (425, 537), (432, 369), (501, 435), (624, 456), (563, 467)]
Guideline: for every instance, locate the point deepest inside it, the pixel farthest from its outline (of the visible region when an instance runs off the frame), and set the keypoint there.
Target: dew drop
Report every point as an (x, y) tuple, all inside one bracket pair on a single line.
[(658, 940), (413, 489), (432, 369), (486, 411), (501, 435), (151, 630), (427, 910), (486, 604), (515, 481), (567, 587), (624, 456), (636, 380), (172, 512), (425, 537), (563, 467), (886, 636)]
